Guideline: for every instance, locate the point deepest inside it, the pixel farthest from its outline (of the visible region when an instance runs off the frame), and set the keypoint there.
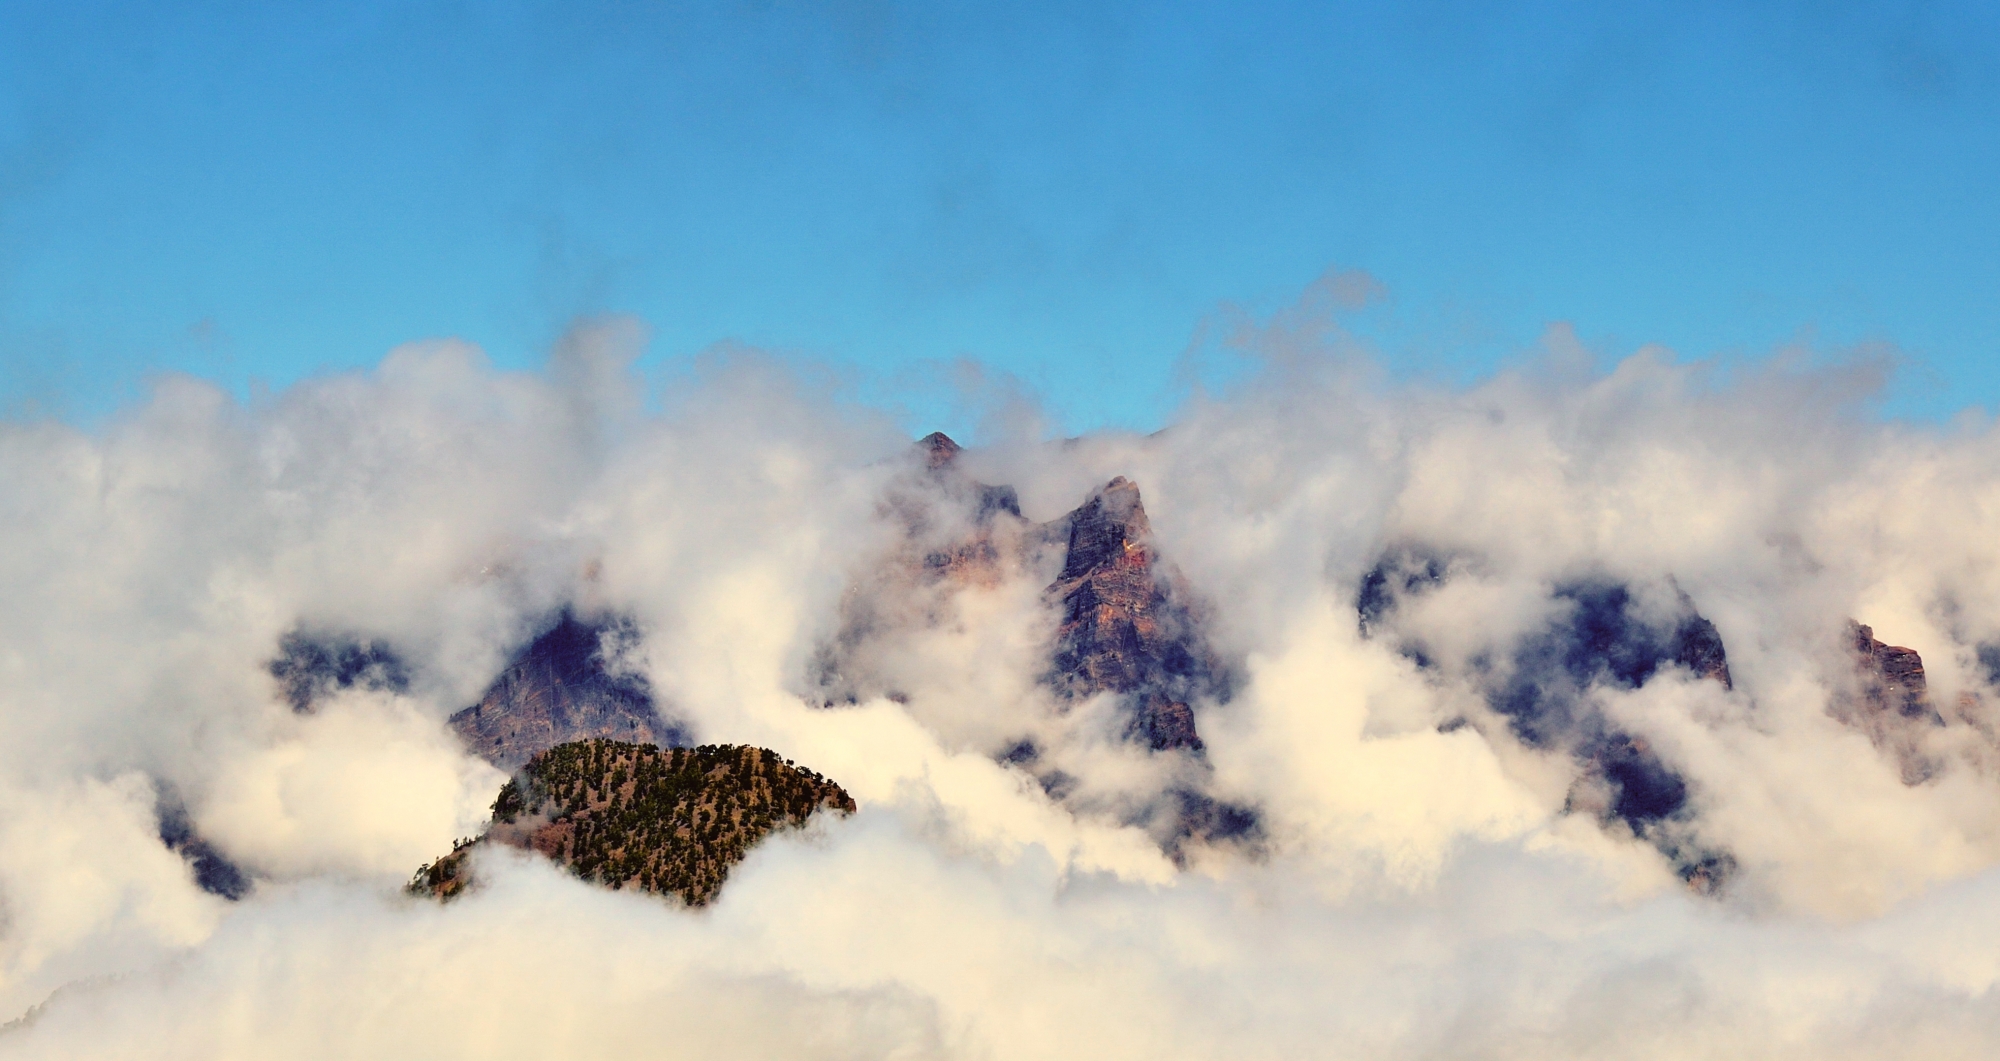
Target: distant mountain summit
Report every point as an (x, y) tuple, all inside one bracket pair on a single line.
[(1125, 629), (667, 821), (938, 449), (564, 686), (1126, 625), (1128, 621)]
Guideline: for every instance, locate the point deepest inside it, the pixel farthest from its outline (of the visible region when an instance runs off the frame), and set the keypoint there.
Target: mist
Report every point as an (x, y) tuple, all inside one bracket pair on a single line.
[(1423, 880)]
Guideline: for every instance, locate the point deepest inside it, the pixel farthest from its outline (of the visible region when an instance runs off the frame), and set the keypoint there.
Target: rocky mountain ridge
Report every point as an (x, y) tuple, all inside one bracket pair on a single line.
[(1128, 621), (1126, 624)]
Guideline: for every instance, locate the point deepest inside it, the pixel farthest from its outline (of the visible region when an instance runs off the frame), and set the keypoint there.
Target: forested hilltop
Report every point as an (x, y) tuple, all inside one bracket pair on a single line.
[(665, 820)]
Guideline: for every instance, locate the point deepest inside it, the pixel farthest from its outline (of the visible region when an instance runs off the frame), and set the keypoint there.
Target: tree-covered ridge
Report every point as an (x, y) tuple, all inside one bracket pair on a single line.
[(667, 820)]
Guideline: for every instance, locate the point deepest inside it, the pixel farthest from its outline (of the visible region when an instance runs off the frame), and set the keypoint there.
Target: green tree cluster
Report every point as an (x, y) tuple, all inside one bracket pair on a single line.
[(664, 820)]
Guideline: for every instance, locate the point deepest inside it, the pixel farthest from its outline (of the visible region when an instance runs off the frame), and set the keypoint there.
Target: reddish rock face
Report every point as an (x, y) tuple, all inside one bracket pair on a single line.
[(1892, 678), (1890, 702), (1127, 622), (557, 690), (1126, 626)]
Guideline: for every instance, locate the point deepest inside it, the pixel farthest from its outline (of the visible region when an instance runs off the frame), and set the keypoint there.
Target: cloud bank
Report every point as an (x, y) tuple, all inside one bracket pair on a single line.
[(1424, 881)]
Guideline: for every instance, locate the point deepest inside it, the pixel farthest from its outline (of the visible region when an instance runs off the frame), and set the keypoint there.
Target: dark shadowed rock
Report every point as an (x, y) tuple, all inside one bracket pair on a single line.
[(1988, 655), (668, 821), (1890, 702), (562, 688), (309, 667), (1600, 638), (1606, 641), (1126, 624), (1401, 573), (1698, 647), (1198, 816), (213, 872), (1643, 789)]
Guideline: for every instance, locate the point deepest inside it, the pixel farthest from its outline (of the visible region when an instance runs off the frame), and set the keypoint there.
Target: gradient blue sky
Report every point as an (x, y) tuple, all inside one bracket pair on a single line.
[(257, 192)]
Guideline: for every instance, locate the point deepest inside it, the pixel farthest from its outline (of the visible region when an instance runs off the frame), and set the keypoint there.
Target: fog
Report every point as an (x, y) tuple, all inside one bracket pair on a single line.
[(1422, 881)]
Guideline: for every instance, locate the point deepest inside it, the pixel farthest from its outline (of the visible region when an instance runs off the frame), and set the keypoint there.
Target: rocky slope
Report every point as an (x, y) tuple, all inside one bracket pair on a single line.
[(1890, 702), (563, 687), (214, 873), (1126, 624), (668, 821)]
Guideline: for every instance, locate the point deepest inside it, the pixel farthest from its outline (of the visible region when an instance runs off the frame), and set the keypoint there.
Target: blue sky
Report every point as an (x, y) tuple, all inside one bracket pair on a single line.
[(1065, 192)]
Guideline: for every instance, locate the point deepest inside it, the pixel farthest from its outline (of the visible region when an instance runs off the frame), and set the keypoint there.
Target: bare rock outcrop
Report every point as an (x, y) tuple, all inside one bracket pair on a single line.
[(1889, 700), (1126, 629), (1127, 625), (213, 872), (564, 686)]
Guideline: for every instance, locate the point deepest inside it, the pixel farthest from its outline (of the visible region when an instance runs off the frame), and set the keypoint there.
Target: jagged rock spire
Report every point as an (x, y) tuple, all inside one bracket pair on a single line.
[(1124, 628), (1106, 528)]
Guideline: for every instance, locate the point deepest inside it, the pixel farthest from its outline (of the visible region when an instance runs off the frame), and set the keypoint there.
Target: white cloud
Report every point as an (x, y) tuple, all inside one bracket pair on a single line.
[(1420, 893)]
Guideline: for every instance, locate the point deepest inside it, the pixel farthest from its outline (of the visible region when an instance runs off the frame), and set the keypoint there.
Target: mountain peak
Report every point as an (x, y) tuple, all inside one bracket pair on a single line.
[(1124, 627), (1109, 526), (939, 449), (563, 687)]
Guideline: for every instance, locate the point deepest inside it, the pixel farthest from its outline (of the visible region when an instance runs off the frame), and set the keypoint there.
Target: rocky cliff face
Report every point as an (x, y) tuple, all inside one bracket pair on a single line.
[(1890, 702), (976, 558), (563, 687), (1126, 624), (953, 533), (1891, 678), (667, 821)]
